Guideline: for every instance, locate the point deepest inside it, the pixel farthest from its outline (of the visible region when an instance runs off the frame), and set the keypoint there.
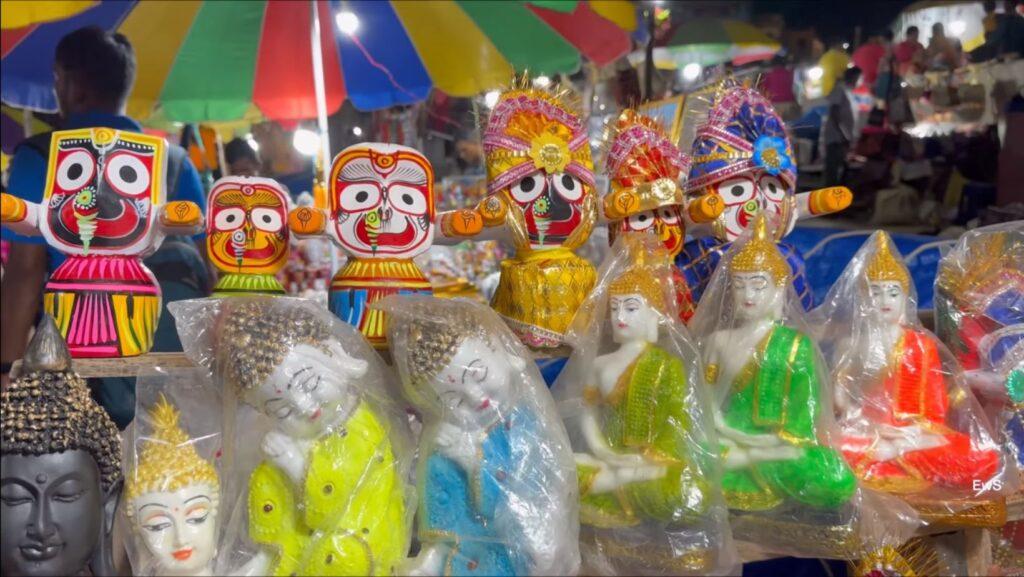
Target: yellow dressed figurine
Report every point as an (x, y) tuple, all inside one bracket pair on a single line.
[(329, 496), (541, 191)]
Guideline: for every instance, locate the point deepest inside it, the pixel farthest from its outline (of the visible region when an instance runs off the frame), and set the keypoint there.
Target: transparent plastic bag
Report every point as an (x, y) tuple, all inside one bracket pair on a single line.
[(633, 399), (496, 478), (785, 481), (316, 452), (909, 424), (173, 503)]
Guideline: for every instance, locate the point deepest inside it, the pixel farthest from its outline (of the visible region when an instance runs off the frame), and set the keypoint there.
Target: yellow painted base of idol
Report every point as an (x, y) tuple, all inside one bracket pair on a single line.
[(539, 292)]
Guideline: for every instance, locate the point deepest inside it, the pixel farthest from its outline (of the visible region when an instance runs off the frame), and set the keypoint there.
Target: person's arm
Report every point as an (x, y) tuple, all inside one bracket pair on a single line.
[(20, 293)]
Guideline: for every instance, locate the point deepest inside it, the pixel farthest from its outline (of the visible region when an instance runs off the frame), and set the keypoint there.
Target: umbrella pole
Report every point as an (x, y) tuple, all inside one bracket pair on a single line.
[(321, 167), (649, 60)]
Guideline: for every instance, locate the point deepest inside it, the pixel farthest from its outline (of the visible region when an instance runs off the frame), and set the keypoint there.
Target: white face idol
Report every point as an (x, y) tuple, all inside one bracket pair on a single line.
[(179, 529), (746, 196), (888, 301), (309, 390), (632, 319), (755, 296), (475, 387)]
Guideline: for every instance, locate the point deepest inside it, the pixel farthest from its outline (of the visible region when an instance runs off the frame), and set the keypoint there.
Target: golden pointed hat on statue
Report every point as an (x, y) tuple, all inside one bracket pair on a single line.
[(168, 460), (759, 254), (642, 275), (886, 266)]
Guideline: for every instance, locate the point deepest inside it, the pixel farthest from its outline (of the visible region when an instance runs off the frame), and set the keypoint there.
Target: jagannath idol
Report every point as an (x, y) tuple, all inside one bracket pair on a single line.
[(772, 408), (496, 481), (742, 155), (247, 234), (172, 500), (909, 426), (381, 213), (104, 207), (541, 192), (60, 468), (645, 169), (648, 497), (328, 497)]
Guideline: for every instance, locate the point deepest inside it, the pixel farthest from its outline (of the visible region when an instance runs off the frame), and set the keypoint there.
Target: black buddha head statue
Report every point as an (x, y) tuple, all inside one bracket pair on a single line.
[(60, 469)]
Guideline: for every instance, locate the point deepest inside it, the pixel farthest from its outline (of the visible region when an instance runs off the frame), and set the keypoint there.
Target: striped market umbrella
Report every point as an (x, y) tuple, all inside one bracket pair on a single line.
[(708, 41), (219, 60)]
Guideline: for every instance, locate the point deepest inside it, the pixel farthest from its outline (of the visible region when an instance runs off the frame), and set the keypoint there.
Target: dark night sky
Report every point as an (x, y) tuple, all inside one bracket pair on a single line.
[(831, 17)]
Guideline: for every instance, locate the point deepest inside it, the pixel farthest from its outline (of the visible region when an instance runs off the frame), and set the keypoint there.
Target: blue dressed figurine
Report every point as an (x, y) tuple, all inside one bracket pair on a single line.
[(496, 479), (742, 154)]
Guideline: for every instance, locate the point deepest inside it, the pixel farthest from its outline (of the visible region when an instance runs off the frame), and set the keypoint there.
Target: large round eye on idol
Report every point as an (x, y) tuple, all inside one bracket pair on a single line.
[(669, 215), (736, 191), (568, 186), (75, 170), (641, 221), (359, 197), (408, 199), (772, 187), (529, 188), (229, 219), (266, 219), (127, 174)]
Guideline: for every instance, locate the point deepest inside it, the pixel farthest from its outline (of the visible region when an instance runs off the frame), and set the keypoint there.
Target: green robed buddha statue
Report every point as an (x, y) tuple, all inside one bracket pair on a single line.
[(767, 390)]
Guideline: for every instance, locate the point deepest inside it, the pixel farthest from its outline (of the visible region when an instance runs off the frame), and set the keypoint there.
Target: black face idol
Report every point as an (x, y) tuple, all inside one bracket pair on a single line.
[(52, 513)]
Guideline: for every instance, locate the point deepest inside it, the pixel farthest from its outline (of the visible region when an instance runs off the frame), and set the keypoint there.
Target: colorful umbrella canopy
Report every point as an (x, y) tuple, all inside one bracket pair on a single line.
[(709, 41), (214, 60)]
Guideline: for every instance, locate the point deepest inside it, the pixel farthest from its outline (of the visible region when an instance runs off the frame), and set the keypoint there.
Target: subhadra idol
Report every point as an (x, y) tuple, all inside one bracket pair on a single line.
[(60, 463), (381, 214), (540, 184), (909, 425), (633, 398), (497, 488), (247, 234), (789, 489), (742, 155), (172, 498), (326, 492), (104, 208), (645, 169)]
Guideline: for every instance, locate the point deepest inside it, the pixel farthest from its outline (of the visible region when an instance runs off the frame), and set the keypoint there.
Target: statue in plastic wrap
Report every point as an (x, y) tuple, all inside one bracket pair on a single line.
[(649, 502), (247, 234), (496, 481), (381, 213), (328, 496), (909, 426), (540, 184), (105, 208), (60, 468), (979, 310), (742, 155), (645, 169), (788, 486), (173, 497)]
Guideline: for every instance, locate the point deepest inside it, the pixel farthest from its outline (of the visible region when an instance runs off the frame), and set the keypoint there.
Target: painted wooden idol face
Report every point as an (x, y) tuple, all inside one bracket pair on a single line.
[(246, 225), (102, 187), (747, 195), (382, 201), (665, 222)]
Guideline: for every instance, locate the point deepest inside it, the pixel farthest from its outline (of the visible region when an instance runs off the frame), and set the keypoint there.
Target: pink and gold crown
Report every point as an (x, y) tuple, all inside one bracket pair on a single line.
[(642, 160), (533, 129)]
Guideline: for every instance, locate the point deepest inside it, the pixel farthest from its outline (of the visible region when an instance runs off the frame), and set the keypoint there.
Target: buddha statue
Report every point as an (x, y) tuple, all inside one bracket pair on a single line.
[(898, 399), (60, 468), (328, 497), (767, 381), (173, 497), (497, 489)]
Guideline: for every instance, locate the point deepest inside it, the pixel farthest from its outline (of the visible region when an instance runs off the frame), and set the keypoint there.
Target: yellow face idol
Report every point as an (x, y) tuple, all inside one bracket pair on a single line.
[(246, 225)]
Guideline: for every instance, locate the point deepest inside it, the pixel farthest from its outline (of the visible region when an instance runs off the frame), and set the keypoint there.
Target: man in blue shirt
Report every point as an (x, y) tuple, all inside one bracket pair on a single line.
[(93, 74)]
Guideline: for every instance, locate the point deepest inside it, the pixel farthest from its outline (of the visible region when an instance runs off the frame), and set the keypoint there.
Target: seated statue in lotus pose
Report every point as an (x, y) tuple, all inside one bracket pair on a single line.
[(897, 398), (766, 378)]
